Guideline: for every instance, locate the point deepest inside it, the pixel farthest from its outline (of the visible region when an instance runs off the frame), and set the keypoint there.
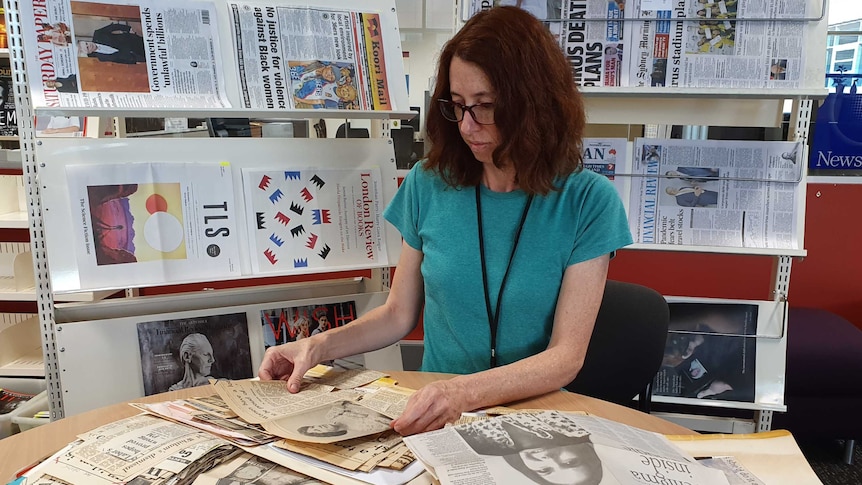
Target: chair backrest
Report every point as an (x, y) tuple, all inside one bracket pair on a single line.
[(346, 131), (627, 345)]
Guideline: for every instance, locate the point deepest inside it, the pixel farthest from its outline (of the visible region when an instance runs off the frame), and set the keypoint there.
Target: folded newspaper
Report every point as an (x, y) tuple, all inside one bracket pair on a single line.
[(558, 448)]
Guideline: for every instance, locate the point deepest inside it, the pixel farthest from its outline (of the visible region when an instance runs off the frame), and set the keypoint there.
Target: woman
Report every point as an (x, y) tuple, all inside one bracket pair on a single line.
[(506, 239)]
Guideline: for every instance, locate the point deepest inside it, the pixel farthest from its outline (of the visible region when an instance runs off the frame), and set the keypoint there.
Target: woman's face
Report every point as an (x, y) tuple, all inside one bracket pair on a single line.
[(468, 85), (565, 465)]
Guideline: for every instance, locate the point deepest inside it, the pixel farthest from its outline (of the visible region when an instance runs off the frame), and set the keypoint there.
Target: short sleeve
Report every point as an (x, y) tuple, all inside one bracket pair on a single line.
[(602, 226), (403, 210)]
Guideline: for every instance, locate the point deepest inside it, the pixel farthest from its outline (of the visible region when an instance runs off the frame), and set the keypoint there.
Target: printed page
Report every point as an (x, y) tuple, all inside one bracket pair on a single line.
[(553, 446), (299, 57), (715, 50), (716, 193), (350, 454), (123, 54), (133, 447), (387, 400), (239, 469), (152, 223), (609, 157), (590, 33), (306, 219), (329, 421), (259, 401)]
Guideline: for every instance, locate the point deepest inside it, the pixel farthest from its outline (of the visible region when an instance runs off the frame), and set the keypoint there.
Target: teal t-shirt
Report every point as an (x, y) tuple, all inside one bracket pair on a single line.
[(583, 221)]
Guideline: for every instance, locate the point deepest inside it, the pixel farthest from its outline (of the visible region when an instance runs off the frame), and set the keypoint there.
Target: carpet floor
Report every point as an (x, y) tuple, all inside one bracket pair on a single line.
[(827, 459)]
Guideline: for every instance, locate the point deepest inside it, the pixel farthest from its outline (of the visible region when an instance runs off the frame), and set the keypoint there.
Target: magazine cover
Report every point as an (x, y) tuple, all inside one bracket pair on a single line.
[(8, 116), (152, 223), (303, 220), (282, 325), (123, 54), (176, 354), (710, 352)]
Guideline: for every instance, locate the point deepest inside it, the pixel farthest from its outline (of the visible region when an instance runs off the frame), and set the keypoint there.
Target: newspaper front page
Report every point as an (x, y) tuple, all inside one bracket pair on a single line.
[(590, 32), (716, 50), (123, 54), (553, 447), (295, 57), (716, 193)]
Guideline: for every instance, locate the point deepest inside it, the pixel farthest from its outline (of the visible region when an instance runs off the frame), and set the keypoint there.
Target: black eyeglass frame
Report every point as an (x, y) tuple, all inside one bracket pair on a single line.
[(444, 103)]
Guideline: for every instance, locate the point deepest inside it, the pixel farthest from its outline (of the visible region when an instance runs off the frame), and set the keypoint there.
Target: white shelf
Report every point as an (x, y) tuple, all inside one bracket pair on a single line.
[(719, 249), (225, 113), (711, 93), (9, 138), (4, 52), (32, 364), (14, 220), (834, 179), (8, 292)]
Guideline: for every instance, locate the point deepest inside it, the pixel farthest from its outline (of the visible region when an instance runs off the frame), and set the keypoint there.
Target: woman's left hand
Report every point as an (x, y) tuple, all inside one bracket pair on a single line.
[(431, 408)]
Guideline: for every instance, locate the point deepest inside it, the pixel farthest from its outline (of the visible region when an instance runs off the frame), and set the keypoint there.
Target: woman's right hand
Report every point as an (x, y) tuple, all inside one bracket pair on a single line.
[(288, 362)]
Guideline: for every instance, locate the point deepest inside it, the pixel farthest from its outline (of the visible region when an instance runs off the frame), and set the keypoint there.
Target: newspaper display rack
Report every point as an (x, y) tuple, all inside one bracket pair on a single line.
[(246, 59), (252, 40)]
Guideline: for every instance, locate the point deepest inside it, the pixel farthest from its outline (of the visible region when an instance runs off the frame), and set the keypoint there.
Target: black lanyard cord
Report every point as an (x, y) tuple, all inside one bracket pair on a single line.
[(494, 318)]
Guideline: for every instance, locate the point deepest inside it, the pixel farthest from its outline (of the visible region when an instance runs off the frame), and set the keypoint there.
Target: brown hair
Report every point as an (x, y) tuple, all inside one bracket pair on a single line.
[(538, 109)]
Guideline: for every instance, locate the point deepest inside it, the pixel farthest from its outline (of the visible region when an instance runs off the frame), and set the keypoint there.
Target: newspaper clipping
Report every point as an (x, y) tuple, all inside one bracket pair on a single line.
[(716, 50), (146, 54), (553, 447), (294, 57), (716, 193), (149, 223), (302, 220)]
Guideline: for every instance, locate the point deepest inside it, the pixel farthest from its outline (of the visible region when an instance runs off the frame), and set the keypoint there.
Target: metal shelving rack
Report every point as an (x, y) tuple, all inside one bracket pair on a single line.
[(44, 295), (604, 105)]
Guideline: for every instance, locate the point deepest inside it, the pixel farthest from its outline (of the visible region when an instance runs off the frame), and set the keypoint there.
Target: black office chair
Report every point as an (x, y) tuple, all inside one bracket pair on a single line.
[(627, 346), (346, 131)]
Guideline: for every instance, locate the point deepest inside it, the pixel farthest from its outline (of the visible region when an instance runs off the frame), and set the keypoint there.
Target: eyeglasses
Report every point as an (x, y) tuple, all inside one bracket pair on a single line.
[(482, 113)]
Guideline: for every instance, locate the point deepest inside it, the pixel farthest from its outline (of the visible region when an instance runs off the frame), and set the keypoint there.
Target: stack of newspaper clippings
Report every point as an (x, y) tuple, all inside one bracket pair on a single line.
[(340, 421), (674, 43), (142, 449)]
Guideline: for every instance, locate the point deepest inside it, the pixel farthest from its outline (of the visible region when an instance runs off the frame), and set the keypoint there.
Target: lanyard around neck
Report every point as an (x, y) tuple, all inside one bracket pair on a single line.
[(494, 317)]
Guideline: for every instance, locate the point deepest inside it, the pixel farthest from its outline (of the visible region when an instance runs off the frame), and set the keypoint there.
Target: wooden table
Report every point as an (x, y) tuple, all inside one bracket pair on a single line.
[(23, 449)]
